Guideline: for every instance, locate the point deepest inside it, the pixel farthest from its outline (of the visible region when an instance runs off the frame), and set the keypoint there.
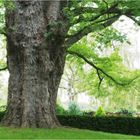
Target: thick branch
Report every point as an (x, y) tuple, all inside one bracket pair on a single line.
[(99, 69), (90, 28), (112, 10)]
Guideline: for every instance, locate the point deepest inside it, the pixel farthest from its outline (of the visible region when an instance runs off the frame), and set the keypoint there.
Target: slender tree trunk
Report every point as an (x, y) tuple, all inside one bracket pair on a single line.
[(36, 58)]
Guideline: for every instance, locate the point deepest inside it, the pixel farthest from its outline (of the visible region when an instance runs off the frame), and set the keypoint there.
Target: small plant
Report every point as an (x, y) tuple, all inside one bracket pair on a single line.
[(60, 110), (100, 112), (74, 109), (125, 112)]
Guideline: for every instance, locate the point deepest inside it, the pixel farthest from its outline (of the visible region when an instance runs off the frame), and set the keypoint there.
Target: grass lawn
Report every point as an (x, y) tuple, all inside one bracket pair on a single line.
[(59, 133)]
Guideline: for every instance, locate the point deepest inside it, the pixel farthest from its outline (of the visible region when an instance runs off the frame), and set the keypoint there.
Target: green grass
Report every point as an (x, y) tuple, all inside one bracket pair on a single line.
[(59, 133)]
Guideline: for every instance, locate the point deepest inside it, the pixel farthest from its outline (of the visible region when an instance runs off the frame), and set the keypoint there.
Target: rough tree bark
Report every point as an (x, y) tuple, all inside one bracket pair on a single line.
[(36, 57)]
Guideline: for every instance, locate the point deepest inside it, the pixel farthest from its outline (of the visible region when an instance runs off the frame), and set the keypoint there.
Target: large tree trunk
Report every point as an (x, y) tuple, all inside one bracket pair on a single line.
[(36, 58)]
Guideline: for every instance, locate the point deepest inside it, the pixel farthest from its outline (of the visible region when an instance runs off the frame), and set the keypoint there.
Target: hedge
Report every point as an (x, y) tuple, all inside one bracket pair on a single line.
[(124, 125)]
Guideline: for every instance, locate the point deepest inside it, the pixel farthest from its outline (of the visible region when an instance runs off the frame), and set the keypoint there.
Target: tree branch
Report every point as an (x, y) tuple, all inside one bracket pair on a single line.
[(90, 28), (112, 10), (81, 10), (100, 70), (2, 69), (100, 79), (105, 4)]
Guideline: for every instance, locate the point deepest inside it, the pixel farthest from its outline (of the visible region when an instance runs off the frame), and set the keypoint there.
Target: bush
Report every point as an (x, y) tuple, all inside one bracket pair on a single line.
[(90, 114), (100, 112), (125, 112), (124, 125), (60, 110), (74, 109)]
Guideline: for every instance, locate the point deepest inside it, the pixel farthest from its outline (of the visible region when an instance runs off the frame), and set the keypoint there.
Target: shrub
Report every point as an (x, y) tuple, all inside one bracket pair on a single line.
[(74, 109), (90, 113), (125, 112), (100, 112), (60, 110), (124, 125)]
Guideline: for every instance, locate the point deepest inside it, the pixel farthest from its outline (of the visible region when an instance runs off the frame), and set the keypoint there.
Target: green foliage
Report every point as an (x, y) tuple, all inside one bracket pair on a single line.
[(2, 16), (106, 37), (131, 6), (111, 64), (125, 112), (2, 37), (2, 108), (74, 109), (2, 52), (82, 14), (9, 4), (92, 48), (100, 112), (60, 110)]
